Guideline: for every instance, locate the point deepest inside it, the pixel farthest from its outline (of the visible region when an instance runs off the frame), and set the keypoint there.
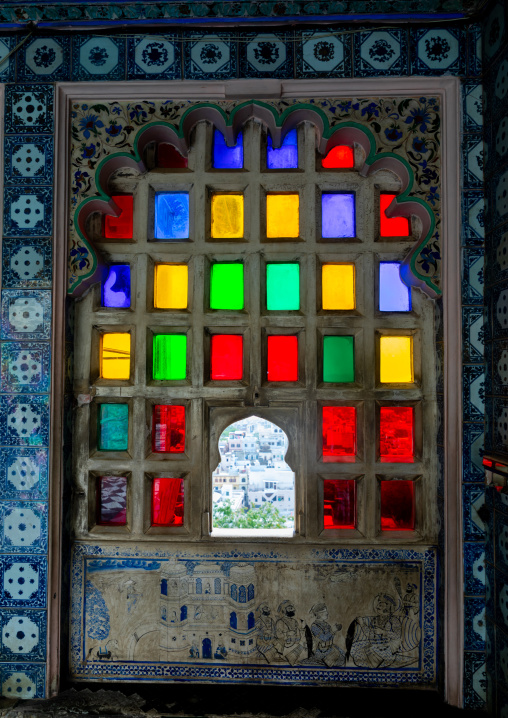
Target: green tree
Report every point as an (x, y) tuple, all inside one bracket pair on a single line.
[(266, 516)]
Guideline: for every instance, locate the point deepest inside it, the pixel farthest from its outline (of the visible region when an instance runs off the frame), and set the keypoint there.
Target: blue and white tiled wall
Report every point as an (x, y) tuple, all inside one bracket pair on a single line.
[(27, 261)]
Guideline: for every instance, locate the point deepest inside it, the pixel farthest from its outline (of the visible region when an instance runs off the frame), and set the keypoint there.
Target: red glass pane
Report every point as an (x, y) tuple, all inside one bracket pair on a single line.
[(394, 226), (397, 506), (168, 429), (339, 157), (282, 358), (112, 501), (396, 432), (339, 433), (120, 227), (227, 357), (167, 502), (169, 157), (340, 504)]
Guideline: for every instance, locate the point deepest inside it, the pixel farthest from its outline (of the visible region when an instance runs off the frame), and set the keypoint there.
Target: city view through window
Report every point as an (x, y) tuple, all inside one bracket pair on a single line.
[(253, 487)]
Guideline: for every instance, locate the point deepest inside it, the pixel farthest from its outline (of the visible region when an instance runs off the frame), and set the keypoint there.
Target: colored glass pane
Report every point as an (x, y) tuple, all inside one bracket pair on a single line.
[(171, 215), (116, 290), (227, 216), (392, 226), (394, 296), (339, 157), (226, 286), (116, 355), (283, 287), (225, 157), (113, 434), (168, 157), (286, 157), (338, 359), (339, 433), (397, 505), (339, 510), (396, 359), (120, 227), (337, 215), (111, 501), (396, 432), (226, 357), (282, 215), (171, 286), (168, 429), (282, 358), (338, 282), (169, 357), (167, 502)]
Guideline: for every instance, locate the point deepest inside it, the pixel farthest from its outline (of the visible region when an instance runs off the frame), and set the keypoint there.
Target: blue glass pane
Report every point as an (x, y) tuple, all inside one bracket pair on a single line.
[(338, 215), (394, 296), (224, 157), (116, 290), (171, 215), (287, 156)]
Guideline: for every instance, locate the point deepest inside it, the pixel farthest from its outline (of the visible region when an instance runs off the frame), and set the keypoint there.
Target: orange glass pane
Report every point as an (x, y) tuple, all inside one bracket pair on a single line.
[(339, 157), (392, 226)]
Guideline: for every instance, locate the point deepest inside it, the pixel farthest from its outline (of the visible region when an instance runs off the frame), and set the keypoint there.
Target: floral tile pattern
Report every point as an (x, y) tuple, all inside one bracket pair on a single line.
[(28, 211), (207, 56), (45, 58), (475, 679), (474, 569), (23, 680), (24, 527), (266, 55), (22, 635), (27, 263), (473, 319), (23, 581), (25, 367), (472, 453), (151, 58), (28, 160), (473, 261), (475, 624), (23, 474), (98, 58), (383, 52), (437, 51), (25, 314), (320, 53), (473, 106), (473, 501), (473, 217), (29, 109)]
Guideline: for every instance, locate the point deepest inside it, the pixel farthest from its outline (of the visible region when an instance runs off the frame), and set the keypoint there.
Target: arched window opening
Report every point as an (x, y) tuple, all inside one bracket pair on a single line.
[(250, 620), (234, 593), (217, 588), (242, 595), (233, 620), (250, 592), (199, 586), (183, 613), (164, 587)]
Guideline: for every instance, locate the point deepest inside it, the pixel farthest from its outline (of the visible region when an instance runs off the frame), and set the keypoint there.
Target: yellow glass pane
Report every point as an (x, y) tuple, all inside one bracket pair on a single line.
[(116, 356), (396, 356), (282, 215), (171, 286), (338, 286), (227, 216)]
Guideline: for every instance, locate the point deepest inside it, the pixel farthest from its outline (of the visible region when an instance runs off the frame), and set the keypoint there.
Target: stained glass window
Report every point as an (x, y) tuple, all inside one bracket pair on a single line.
[(337, 215), (172, 215), (169, 357), (113, 434), (282, 215), (225, 157), (285, 157), (115, 355), (171, 286), (116, 289), (120, 227)]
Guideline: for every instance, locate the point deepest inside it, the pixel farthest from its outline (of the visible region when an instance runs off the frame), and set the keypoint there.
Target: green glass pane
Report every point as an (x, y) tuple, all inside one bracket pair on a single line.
[(338, 359), (113, 427), (283, 286), (226, 286), (169, 357)]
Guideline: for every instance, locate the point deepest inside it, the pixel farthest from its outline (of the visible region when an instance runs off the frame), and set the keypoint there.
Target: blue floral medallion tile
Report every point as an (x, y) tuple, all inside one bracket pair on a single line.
[(207, 56), (473, 261), (382, 52), (474, 569), (474, 51), (151, 58), (29, 108), (473, 319), (500, 367), (28, 160), (7, 64), (98, 58), (473, 503), (23, 581), (24, 527), (22, 680), (473, 387), (473, 217), (27, 263), (499, 430), (23, 474), (494, 30), (475, 680), (25, 314), (25, 367), (28, 211), (437, 51), (266, 55), (321, 53), (24, 420), (472, 453), (474, 624), (22, 635), (45, 58), (472, 147), (473, 106)]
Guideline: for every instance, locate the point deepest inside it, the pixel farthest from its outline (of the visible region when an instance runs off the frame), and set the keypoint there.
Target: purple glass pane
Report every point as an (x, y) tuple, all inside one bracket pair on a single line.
[(225, 157), (338, 215), (286, 157), (116, 290), (394, 296)]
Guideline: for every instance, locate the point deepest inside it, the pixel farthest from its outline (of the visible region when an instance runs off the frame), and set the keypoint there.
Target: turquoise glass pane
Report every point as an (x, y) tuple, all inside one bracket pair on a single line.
[(171, 215), (224, 157), (286, 157), (113, 427)]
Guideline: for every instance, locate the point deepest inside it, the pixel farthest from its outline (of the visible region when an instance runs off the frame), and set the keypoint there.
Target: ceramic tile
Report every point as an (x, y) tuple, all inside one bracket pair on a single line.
[(22, 635), (500, 367), (45, 58), (321, 53), (497, 256), (473, 217), (28, 160), (266, 55), (499, 302), (494, 29), (98, 58), (499, 141), (501, 599), (500, 501), (7, 64), (498, 199), (496, 90), (475, 680), (472, 93), (152, 58), (473, 319), (472, 275), (437, 50), (27, 263), (474, 624), (383, 52), (24, 420), (474, 569), (22, 680), (23, 581), (474, 511), (474, 50), (23, 474), (25, 367), (472, 147), (501, 659), (473, 387), (25, 314), (28, 108), (472, 453), (500, 427), (206, 56), (501, 541), (24, 527), (28, 211)]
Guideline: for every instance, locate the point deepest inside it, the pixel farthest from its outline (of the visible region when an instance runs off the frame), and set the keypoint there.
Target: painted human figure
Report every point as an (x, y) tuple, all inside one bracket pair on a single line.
[(288, 634), (266, 633), (220, 652), (194, 651), (323, 648)]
